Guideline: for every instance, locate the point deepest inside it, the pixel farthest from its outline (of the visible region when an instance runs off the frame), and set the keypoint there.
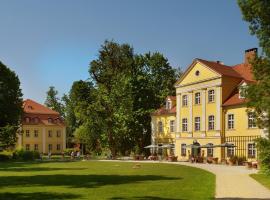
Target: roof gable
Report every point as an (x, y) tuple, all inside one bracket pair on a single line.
[(197, 71)]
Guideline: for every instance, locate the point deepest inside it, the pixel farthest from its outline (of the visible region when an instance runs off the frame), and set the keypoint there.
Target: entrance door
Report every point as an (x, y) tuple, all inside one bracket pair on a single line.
[(196, 150)]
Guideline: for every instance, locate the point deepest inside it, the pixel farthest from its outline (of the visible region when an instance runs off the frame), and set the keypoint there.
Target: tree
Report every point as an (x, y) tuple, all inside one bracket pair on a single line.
[(257, 13), (153, 79), (10, 105), (53, 102), (111, 73)]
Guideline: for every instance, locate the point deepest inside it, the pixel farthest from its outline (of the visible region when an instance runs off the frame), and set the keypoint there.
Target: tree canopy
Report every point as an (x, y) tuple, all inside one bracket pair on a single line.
[(10, 105), (257, 14)]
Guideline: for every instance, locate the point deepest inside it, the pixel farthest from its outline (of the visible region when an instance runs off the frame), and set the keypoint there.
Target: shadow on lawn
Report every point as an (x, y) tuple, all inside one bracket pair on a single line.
[(37, 196), (73, 181), (31, 169), (144, 198)]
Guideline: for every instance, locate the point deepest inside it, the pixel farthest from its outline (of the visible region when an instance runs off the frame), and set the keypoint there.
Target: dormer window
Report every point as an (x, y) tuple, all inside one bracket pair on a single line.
[(50, 120), (243, 91), (27, 119), (168, 105), (36, 120)]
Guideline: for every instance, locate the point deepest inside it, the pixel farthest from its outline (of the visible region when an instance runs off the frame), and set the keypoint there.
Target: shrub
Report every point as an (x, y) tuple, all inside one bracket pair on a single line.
[(263, 147), (5, 155), (68, 151), (21, 154)]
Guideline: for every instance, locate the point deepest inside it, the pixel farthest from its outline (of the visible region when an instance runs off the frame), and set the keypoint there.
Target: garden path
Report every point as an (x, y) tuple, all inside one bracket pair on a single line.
[(234, 182)]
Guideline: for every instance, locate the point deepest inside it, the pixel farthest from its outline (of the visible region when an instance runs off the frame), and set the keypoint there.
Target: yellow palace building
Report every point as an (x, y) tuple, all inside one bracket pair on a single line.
[(42, 129), (209, 112)]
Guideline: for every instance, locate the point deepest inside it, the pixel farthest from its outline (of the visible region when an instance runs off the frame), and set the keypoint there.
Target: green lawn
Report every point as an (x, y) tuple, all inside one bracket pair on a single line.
[(263, 179), (103, 180)]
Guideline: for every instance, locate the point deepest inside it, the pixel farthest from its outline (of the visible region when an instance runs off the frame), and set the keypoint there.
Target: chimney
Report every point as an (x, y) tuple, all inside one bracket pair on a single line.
[(250, 54), (220, 62)]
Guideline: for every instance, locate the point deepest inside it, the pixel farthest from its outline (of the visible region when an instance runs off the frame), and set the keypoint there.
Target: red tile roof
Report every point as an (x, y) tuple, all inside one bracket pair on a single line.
[(234, 99), (221, 69), (30, 106), (245, 70), (164, 111), (35, 113)]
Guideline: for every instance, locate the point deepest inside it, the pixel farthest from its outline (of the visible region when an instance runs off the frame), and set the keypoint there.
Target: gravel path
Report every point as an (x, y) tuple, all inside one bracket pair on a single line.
[(234, 182)]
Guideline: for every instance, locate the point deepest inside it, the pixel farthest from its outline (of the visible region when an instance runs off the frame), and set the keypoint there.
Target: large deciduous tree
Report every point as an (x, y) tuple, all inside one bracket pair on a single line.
[(153, 80), (10, 105), (111, 73)]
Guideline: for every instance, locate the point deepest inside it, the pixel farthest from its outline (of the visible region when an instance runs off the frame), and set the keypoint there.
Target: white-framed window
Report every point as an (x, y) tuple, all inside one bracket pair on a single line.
[(184, 125), (172, 122), (183, 149), (27, 147), (251, 120), (251, 150), (211, 96), (211, 122), (160, 127), (168, 104), (58, 147), (36, 147), (50, 133), (197, 123), (27, 133), (197, 98), (58, 133), (210, 151), (50, 147), (230, 151), (230, 121), (35, 133), (184, 100)]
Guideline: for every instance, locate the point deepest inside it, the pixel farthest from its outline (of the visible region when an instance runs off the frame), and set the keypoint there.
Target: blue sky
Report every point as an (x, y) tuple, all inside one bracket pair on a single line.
[(52, 42)]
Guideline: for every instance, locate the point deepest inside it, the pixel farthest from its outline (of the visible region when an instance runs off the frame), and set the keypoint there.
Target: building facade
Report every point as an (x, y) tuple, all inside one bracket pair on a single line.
[(42, 129), (164, 123), (211, 111)]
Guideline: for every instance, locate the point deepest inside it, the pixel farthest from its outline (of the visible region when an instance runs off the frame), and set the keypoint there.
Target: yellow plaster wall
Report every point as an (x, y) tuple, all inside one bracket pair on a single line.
[(202, 141), (240, 122), (163, 137), (54, 140)]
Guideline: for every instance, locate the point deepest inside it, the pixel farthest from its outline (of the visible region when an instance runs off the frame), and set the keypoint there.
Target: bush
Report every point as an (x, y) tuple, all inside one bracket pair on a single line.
[(25, 155), (263, 147), (68, 151), (5, 156)]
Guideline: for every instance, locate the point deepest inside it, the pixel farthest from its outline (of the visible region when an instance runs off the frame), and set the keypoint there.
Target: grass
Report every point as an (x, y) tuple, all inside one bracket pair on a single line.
[(103, 180), (262, 178)]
